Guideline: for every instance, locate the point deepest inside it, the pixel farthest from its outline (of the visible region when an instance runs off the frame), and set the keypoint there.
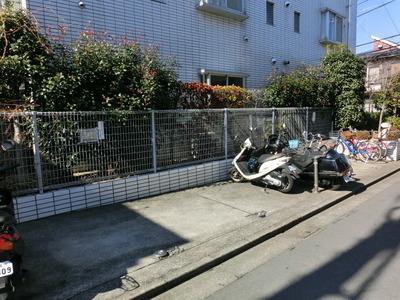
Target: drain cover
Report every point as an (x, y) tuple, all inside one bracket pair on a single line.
[(161, 253)]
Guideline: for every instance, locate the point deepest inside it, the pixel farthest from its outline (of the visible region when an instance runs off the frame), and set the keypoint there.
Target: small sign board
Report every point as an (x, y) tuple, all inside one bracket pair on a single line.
[(92, 135)]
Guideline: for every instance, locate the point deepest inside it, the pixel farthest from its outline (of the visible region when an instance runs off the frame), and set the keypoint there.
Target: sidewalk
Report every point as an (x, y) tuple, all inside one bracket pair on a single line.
[(108, 252)]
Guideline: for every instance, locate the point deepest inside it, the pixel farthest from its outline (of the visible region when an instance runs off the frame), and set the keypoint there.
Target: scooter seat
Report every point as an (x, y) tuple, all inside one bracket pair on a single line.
[(267, 157), (306, 159)]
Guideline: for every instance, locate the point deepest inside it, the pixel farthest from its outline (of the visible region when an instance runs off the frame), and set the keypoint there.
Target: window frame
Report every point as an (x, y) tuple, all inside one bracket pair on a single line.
[(296, 21), (331, 31), (224, 8), (270, 12), (206, 76)]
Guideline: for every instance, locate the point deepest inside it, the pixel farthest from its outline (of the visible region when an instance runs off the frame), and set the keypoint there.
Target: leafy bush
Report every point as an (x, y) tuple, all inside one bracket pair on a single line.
[(304, 87), (102, 72), (370, 121), (230, 96), (338, 83), (197, 95), (97, 72), (394, 120), (23, 52)]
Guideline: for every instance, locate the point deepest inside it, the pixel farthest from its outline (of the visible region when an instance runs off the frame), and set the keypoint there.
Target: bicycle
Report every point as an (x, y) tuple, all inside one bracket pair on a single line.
[(366, 150), (384, 148), (379, 141), (314, 142)]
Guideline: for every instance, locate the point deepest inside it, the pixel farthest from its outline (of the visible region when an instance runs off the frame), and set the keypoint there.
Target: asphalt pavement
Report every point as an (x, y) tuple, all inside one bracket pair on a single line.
[(138, 249)]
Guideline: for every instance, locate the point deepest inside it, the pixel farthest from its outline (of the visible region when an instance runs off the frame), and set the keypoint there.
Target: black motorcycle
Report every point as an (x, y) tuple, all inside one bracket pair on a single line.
[(12, 246), (334, 169)]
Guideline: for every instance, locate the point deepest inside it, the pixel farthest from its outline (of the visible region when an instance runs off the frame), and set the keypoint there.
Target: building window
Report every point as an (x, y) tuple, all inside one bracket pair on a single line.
[(373, 74), (331, 27), (270, 13), (296, 21), (220, 78), (224, 80), (234, 9), (238, 81), (231, 4)]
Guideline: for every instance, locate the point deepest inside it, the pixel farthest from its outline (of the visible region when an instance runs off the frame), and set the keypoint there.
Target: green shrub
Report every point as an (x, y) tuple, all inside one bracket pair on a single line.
[(230, 96), (302, 87), (23, 53), (197, 95), (97, 72), (102, 72), (394, 120), (338, 83)]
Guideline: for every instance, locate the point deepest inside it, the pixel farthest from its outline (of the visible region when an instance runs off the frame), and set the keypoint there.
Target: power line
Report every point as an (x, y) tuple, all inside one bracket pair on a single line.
[(394, 24), (375, 8), (389, 37)]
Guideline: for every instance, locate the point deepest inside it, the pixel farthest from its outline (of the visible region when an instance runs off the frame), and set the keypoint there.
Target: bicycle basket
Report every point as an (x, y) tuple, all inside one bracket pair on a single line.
[(347, 135)]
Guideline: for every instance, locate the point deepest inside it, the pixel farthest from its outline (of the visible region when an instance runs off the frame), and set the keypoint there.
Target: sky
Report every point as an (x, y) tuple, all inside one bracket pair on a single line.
[(380, 18)]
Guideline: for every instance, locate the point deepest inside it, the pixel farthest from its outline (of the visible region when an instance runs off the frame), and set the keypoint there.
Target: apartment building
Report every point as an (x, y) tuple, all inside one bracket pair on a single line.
[(222, 42)]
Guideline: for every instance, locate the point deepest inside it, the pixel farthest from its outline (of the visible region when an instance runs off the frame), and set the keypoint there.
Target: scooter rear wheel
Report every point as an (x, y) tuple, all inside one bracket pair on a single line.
[(235, 175), (287, 182)]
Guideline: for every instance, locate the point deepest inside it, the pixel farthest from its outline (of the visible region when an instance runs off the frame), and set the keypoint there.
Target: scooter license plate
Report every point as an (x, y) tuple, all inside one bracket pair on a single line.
[(6, 268)]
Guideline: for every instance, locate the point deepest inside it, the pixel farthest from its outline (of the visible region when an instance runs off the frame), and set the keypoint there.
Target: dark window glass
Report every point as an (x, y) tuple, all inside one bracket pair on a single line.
[(218, 80), (296, 22), (270, 13), (238, 81)]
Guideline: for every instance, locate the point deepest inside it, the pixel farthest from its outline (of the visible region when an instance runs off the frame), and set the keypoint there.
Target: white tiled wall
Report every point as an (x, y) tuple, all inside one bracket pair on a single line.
[(204, 40), (38, 206)]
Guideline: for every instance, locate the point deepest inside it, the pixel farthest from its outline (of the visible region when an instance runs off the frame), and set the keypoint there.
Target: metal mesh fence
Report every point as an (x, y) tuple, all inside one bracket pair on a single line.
[(55, 150)]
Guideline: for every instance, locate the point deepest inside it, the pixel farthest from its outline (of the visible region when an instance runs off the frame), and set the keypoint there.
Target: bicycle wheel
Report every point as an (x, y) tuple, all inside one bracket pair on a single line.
[(384, 150), (369, 151)]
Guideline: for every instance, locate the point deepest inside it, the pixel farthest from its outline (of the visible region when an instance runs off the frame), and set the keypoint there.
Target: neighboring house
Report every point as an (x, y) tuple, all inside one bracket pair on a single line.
[(382, 63), (222, 42)]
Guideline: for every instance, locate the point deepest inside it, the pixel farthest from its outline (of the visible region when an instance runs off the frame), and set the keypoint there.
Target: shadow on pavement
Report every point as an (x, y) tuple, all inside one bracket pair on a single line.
[(330, 280), (77, 251)]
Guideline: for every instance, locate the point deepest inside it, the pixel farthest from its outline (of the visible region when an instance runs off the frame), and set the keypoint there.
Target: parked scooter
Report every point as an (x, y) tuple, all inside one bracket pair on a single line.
[(268, 165), (334, 169), (11, 245)]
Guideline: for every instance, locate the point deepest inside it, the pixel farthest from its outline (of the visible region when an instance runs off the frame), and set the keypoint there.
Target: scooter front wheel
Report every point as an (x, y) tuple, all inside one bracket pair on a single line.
[(287, 182), (235, 175)]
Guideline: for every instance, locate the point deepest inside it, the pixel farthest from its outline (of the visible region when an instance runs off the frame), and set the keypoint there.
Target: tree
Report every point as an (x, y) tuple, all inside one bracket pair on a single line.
[(393, 99), (389, 99), (346, 74)]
